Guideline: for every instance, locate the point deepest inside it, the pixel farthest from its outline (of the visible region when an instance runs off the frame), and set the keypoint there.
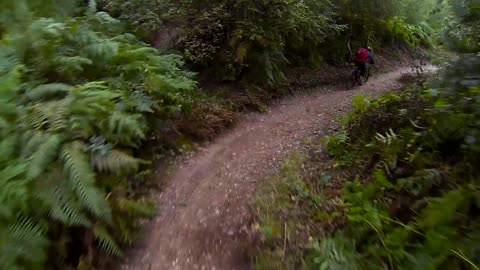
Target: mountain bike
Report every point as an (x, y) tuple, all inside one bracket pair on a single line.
[(356, 77)]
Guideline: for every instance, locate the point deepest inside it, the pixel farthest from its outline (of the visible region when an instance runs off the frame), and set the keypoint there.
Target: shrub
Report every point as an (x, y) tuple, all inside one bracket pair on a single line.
[(417, 209), (75, 96)]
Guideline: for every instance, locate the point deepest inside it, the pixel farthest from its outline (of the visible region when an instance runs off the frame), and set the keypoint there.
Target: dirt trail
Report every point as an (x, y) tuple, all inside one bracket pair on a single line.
[(203, 220)]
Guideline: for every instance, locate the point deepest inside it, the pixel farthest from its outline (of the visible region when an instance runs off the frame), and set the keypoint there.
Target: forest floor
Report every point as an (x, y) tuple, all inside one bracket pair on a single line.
[(204, 219)]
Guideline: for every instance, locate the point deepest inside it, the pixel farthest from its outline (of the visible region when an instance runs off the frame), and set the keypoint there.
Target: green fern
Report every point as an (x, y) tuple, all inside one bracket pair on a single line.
[(115, 161), (44, 156), (141, 102), (443, 210), (68, 65), (145, 209), (126, 128), (8, 148), (334, 253), (105, 50), (37, 118), (106, 241), (9, 84), (92, 8), (82, 180), (14, 194), (48, 90), (23, 246), (59, 201), (388, 138), (31, 140), (74, 95), (59, 115)]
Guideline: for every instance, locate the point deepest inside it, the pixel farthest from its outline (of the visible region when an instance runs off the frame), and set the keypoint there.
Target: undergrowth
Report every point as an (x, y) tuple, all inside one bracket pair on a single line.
[(396, 188), (77, 96)]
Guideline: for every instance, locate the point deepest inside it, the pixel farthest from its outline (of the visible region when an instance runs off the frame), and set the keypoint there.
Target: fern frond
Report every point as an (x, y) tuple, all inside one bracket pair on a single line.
[(98, 145), (444, 209), (104, 50), (126, 128), (115, 161), (165, 83), (45, 154), (58, 113), (52, 116), (9, 84), (37, 118), (388, 138), (82, 179), (48, 90), (48, 26), (4, 126), (93, 99), (11, 172), (81, 127), (31, 140), (71, 63), (7, 148), (92, 8), (106, 241), (140, 101), (14, 194), (140, 53), (105, 19), (60, 202), (335, 253), (25, 242), (142, 208)]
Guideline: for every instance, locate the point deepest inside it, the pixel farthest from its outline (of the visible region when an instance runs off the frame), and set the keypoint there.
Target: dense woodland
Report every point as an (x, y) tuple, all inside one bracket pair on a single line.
[(86, 87)]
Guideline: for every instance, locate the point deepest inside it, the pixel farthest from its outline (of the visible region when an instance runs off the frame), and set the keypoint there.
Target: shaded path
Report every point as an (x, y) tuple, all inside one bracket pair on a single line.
[(203, 212)]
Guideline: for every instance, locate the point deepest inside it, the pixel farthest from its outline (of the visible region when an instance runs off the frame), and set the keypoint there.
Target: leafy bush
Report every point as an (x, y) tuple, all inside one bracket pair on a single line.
[(461, 29), (233, 38), (256, 35), (418, 209), (75, 96), (408, 34), (397, 187)]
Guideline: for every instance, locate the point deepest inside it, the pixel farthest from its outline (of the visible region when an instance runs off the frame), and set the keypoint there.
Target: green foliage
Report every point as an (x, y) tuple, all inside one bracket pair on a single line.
[(333, 253), (284, 200), (462, 27), (417, 209), (412, 197), (144, 16), (257, 40), (256, 36), (75, 93), (409, 34), (379, 23), (233, 38)]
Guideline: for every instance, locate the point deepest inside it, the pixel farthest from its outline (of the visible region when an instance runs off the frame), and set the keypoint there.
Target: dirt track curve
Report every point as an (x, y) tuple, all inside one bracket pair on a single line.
[(203, 220)]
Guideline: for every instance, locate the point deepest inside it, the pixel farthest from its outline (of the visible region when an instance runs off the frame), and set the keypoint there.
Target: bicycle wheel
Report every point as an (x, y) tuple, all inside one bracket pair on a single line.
[(366, 77), (351, 80)]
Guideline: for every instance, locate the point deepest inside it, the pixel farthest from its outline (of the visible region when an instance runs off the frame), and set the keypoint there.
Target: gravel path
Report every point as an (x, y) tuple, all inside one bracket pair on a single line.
[(204, 220)]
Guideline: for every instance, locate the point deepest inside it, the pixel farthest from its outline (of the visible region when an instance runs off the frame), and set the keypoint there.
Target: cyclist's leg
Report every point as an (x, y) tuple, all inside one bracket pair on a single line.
[(361, 72), (357, 70), (363, 69)]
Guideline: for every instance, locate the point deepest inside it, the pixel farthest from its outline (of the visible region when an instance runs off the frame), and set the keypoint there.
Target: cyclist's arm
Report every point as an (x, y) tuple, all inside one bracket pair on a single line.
[(371, 59)]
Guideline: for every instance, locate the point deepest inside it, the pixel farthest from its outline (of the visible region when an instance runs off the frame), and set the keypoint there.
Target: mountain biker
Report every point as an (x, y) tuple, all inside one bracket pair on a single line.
[(362, 57)]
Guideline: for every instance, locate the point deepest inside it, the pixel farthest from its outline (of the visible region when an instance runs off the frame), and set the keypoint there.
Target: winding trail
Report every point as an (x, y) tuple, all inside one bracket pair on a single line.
[(204, 219)]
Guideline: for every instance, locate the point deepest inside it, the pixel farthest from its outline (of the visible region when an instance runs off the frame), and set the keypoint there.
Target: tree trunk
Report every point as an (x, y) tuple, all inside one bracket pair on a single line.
[(349, 41)]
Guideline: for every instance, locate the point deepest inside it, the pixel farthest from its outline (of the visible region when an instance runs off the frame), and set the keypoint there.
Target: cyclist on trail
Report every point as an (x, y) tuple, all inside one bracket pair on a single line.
[(362, 57)]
